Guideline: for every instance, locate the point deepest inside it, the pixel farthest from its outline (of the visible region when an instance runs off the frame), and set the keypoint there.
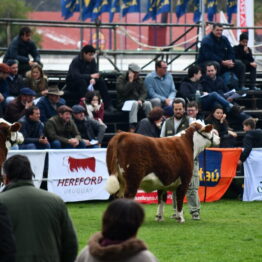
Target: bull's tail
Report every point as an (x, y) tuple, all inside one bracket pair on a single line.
[(115, 182)]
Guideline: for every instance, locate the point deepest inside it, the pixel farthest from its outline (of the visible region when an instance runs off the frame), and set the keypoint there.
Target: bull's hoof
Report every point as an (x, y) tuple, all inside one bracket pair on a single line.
[(180, 219), (159, 218)]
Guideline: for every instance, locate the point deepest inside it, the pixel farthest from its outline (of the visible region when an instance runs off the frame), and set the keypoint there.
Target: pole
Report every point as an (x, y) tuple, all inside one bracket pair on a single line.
[(203, 23), (81, 28)]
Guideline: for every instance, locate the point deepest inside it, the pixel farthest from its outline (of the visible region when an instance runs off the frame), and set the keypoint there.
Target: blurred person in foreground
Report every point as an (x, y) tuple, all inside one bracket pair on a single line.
[(42, 227), (117, 241)]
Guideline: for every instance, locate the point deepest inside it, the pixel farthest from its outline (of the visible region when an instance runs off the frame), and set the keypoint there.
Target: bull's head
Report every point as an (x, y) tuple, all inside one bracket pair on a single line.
[(205, 136)]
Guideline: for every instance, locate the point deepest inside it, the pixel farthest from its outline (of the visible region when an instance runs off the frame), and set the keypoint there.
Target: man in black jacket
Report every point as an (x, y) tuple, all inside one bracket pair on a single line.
[(252, 139), (244, 53), (20, 48), (82, 76)]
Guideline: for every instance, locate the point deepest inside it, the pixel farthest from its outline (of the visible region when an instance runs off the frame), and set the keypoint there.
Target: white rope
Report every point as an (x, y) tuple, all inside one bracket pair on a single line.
[(150, 46)]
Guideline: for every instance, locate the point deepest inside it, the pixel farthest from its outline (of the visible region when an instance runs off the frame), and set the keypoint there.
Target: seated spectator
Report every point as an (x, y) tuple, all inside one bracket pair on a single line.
[(193, 113), (160, 86), (244, 53), (117, 241), (218, 119), (94, 105), (21, 48), (91, 131), (82, 73), (61, 130), (151, 125), (36, 80), (14, 80), (4, 72), (130, 87), (33, 130), (252, 138), (207, 101), (16, 108), (49, 104), (216, 48)]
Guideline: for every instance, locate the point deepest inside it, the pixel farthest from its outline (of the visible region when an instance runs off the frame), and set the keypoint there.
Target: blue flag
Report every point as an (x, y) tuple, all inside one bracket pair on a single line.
[(130, 6), (151, 10), (231, 9), (115, 8), (197, 13), (211, 9), (68, 7), (101, 6), (181, 8), (87, 9), (163, 6)]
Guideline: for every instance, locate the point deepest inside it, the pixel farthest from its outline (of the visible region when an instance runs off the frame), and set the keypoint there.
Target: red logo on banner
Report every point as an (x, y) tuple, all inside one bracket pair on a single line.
[(85, 163)]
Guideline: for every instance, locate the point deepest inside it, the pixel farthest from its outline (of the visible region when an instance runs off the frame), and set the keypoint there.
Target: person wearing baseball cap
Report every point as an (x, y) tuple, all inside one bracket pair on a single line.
[(130, 89), (16, 108), (91, 131), (48, 104)]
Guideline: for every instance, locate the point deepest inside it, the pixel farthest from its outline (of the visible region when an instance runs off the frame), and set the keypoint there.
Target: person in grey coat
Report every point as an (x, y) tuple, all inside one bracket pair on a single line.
[(42, 227), (117, 241)]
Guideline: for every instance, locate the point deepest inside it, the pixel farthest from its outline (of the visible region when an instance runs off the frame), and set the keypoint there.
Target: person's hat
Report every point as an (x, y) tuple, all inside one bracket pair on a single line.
[(243, 36), (134, 68), (78, 109), (4, 68), (62, 109), (11, 62), (27, 91), (54, 90)]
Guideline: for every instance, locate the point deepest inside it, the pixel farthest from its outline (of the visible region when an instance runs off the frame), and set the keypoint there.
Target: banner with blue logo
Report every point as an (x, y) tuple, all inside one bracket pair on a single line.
[(231, 9), (211, 9)]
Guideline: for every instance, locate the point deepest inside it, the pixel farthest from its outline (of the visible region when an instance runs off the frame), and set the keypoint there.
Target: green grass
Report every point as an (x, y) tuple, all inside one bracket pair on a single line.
[(229, 231)]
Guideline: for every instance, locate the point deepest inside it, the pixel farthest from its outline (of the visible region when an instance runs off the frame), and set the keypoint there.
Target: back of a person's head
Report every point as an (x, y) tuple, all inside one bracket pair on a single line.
[(194, 69), (122, 219), (250, 122), (18, 167), (155, 114)]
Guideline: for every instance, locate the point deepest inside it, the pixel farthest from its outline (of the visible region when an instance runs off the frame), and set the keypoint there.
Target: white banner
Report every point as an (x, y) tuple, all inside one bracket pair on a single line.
[(78, 175), (37, 161), (253, 176)]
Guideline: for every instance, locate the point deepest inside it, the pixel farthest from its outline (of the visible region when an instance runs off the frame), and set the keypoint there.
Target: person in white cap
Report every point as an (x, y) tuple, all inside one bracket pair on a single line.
[(130, 88)]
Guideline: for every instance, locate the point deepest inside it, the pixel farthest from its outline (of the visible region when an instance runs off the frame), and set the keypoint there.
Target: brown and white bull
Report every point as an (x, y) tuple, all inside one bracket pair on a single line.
[(136, 161)]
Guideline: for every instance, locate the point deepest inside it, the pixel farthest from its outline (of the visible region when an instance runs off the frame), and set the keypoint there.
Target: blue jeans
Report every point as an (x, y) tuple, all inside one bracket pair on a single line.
[(56, 144), (32, 146), (209, 101)]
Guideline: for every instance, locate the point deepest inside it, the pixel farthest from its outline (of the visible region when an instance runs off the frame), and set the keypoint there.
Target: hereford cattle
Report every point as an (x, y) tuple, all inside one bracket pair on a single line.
[(136, 161), (9, 136)]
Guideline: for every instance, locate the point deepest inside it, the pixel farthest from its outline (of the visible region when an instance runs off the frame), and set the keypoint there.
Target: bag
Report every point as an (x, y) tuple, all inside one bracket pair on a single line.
[(230, 80)]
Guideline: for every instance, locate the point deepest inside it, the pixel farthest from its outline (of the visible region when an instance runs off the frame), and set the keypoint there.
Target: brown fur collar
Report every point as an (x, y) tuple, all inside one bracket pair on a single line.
[(117, 251)]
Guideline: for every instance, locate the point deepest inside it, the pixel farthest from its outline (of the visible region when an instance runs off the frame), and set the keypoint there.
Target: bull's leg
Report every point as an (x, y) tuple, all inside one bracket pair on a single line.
[(180, 194), (162, 196), (133, 179)]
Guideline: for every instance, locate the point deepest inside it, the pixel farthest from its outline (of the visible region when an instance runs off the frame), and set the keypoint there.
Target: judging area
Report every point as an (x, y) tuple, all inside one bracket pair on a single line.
[(80, 175)]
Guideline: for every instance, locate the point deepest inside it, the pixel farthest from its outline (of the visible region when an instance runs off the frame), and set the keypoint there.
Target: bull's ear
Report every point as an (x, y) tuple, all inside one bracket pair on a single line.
[(208, 128), (15, 127), (196, 126)]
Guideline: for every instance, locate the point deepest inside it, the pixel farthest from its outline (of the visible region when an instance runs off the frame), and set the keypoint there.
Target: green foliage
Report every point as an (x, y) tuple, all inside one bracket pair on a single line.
[(229, 231), (258, 12)]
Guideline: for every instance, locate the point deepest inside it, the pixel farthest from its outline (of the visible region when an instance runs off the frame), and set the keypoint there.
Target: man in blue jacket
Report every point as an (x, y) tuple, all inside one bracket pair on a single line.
[(217, 49), (20, 48)]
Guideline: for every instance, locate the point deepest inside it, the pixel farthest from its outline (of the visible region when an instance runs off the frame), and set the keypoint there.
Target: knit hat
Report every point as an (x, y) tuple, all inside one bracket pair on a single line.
[(27, 91), (134, 68)]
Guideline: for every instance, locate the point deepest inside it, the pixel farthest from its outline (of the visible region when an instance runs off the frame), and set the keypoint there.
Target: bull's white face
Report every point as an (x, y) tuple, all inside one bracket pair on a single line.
[(202, 140)]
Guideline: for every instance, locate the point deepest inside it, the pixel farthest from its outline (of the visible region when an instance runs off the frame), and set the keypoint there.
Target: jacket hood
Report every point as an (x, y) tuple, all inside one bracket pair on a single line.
[(116, 252)]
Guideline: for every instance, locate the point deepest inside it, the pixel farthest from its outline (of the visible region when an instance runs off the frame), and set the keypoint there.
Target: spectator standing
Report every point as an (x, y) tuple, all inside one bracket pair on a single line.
[(217, 49), (94, 105), (14, 80), (33, 130), (42, 226), (49, 104), (7, 239), (16, 108), (36, 80), (151, 125), (4, 72), (82, 73), (173, 125), (117, 241), (91, 131), (61, 130), (160, 86), (218, 119), (130, 88), (244, 53), (252, 139), (21, 48)]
